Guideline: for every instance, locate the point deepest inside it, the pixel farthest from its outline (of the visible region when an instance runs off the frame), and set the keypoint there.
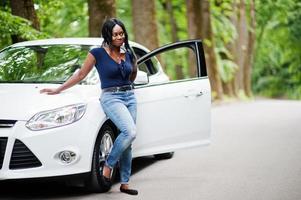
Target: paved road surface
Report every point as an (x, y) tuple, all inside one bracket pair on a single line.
[(255, 154)]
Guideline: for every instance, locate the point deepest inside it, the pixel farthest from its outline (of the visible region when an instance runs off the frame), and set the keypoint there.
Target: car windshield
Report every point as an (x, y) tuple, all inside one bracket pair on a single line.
[(41, 63)]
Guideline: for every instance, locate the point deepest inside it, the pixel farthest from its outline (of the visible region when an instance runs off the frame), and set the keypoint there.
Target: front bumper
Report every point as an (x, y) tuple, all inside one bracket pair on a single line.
[(35, 154)]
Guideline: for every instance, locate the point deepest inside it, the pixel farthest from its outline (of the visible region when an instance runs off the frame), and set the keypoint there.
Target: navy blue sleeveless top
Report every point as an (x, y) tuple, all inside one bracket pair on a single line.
[(111, 73)]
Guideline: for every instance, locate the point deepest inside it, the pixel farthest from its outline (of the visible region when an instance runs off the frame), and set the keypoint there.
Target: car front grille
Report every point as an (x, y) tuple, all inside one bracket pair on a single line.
[(3, 142), (22, 157), (4, 123)]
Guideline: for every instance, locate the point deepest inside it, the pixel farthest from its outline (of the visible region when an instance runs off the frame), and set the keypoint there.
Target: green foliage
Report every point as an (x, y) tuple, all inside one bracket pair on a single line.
[(277, 68), (66, 18), (227, 68), (14, 25), (176, 62), (164, 25), (224, 34), (223, 29)]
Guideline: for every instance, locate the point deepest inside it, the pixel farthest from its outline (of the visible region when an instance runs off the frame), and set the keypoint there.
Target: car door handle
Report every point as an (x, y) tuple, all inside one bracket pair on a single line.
[(193, 94), (199, 94)]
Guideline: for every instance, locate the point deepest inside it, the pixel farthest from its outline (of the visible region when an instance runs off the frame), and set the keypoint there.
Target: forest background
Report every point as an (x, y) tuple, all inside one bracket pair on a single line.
[(252, 47)]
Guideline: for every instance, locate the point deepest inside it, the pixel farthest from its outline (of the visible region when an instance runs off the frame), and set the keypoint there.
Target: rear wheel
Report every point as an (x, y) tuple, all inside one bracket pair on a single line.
[(102, 148)]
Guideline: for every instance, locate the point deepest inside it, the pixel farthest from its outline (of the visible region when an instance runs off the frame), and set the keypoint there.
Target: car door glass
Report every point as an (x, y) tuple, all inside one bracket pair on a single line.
[(178, 64), (150, 66)]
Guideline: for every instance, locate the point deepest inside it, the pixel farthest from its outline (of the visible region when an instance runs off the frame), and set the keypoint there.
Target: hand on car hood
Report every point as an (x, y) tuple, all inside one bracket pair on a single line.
[(22, 101)]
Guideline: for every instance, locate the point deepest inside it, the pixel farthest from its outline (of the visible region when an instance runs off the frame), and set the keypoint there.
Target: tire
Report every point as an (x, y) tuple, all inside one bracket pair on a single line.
[(164, 156), (102, 148)]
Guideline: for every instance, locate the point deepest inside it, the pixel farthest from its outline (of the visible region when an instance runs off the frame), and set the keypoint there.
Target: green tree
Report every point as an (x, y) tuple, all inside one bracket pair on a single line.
[(99, 11), (14, 25), (200, 27), (66, 18), (277, 67), (24, 9), (145, 23), (224, 23)]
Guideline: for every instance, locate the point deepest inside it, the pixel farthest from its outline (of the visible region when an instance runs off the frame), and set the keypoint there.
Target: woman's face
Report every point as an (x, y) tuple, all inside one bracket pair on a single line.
[(117, 36)]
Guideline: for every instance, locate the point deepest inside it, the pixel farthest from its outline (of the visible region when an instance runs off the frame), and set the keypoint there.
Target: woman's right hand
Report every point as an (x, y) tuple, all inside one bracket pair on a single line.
[(50, 91)]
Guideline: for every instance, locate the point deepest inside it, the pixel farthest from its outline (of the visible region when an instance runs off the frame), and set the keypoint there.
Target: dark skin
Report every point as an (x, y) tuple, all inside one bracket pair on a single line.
[(117, 41)]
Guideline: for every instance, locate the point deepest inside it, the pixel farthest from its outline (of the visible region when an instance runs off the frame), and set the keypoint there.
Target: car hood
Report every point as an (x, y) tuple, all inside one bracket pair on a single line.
[(23, 101)]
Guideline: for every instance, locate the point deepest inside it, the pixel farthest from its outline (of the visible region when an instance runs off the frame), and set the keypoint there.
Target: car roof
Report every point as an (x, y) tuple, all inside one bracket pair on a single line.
[(80, 41)]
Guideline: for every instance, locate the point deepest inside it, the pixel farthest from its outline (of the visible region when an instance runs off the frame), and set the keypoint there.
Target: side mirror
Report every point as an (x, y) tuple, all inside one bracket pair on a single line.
[(141, 78)]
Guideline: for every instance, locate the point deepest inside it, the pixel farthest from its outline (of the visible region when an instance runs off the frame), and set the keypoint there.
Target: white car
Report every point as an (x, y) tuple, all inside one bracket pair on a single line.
[(68, 134)]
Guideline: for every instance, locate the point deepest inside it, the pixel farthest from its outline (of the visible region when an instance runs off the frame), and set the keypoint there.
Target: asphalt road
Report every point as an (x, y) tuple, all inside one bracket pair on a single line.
[(255, 154)]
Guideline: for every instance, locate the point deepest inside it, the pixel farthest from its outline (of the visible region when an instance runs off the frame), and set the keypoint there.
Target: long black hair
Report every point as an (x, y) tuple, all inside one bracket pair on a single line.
[(106, 32)]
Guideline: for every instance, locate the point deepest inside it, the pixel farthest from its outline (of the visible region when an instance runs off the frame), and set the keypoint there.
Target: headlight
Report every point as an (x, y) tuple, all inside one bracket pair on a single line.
[(57, 117)]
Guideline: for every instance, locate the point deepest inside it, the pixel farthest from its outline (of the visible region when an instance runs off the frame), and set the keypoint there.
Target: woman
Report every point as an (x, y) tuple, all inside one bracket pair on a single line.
[(116, 65)]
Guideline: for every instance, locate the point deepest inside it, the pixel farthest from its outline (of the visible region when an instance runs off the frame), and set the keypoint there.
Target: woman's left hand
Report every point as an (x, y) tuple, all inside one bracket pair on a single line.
[(49, 91)]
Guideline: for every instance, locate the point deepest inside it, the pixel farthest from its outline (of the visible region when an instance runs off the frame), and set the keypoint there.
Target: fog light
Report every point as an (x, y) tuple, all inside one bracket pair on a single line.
[(67, 157)]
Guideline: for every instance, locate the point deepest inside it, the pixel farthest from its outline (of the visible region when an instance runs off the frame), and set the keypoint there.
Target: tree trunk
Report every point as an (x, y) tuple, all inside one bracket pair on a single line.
[(250, 51), (230, 88), (24, 9), (241, 46), (194, 21), (99, 11), (174, 35), (199, 26), (144, 23), (172, 20)]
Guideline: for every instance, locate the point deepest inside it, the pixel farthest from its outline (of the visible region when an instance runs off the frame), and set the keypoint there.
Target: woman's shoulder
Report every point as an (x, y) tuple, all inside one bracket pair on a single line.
[(97, 51)]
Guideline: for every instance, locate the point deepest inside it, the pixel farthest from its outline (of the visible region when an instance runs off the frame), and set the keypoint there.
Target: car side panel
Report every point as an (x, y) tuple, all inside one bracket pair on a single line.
[(172, 116)]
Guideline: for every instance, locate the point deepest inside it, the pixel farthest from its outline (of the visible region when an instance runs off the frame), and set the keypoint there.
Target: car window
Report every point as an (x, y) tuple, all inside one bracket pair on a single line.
[(177, 63), (150, 66), (43, 63)]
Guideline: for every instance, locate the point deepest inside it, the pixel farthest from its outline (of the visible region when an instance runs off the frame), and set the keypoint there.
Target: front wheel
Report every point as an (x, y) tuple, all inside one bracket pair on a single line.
[(102, 148)]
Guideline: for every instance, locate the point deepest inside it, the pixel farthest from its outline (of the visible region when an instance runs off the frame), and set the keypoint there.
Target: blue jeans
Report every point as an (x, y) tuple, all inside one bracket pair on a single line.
[(121, 108)]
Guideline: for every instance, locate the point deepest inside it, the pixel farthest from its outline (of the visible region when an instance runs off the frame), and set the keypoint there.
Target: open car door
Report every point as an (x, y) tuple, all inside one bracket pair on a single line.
[(174, 107)]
